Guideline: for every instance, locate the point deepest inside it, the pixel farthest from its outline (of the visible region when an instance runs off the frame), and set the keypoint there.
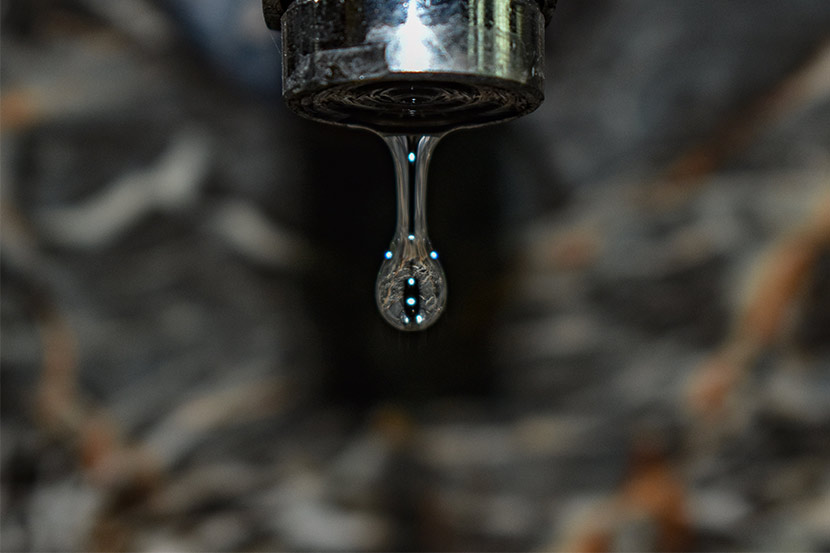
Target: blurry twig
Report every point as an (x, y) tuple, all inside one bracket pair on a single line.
[(57, 406), (797, 91), (60, 408), (774, 290), (171, 183), (140, 20), (647, 513), (221, 406), (243, 228)]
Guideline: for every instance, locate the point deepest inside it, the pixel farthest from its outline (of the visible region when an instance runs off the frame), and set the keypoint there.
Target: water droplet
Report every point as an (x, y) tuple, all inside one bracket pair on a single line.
[(411, 289)]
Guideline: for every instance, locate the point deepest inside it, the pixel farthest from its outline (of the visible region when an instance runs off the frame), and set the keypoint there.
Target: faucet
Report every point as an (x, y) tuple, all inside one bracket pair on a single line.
[(411, 71), (411, 66)]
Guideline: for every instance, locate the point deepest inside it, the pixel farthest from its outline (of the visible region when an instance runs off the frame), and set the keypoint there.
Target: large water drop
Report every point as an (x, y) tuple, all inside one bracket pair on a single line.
[(411, 289)]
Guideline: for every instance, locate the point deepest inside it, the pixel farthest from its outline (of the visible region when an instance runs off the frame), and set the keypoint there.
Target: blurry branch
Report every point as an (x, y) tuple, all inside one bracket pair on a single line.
[(61, 95), (230, 404), (647, 513), (774, 290), (246, 231), (775, 285), (86, 75), (651, 508), (17, 239), (18, 110), (139, 20), (798, 91), (171, 183), (60, 409), (781, 277), (58, 406)]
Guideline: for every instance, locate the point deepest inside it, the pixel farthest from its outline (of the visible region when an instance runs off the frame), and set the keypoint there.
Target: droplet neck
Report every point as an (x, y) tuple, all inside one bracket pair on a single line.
[(411, 155), (411, 286)]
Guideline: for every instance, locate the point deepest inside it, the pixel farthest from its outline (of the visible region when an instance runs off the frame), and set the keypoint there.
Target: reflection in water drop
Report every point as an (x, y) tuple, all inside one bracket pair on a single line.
[(411, 289)]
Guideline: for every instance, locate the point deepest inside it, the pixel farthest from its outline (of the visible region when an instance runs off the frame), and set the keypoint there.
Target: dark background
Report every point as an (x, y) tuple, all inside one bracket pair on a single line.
[(636, 349)]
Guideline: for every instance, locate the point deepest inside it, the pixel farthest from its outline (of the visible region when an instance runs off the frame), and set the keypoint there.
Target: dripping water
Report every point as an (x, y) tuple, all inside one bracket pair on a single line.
[(411, 289)]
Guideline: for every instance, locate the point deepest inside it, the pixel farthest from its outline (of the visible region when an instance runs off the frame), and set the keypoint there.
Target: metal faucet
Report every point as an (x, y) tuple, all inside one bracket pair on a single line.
[(411, 66)]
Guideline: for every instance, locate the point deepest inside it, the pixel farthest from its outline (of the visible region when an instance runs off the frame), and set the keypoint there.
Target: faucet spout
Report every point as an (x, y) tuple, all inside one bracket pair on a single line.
[(411, 66)]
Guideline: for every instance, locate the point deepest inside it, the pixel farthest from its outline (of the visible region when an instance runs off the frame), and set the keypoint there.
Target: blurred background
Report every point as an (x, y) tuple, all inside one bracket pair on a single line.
[(636, 350)]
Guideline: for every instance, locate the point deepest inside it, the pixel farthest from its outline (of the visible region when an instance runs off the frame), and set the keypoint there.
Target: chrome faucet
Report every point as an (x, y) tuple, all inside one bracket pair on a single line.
[(411, 66)]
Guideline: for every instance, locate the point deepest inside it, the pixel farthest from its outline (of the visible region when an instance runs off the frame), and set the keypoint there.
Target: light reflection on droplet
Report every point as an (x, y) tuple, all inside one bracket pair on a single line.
[(411, 286)]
